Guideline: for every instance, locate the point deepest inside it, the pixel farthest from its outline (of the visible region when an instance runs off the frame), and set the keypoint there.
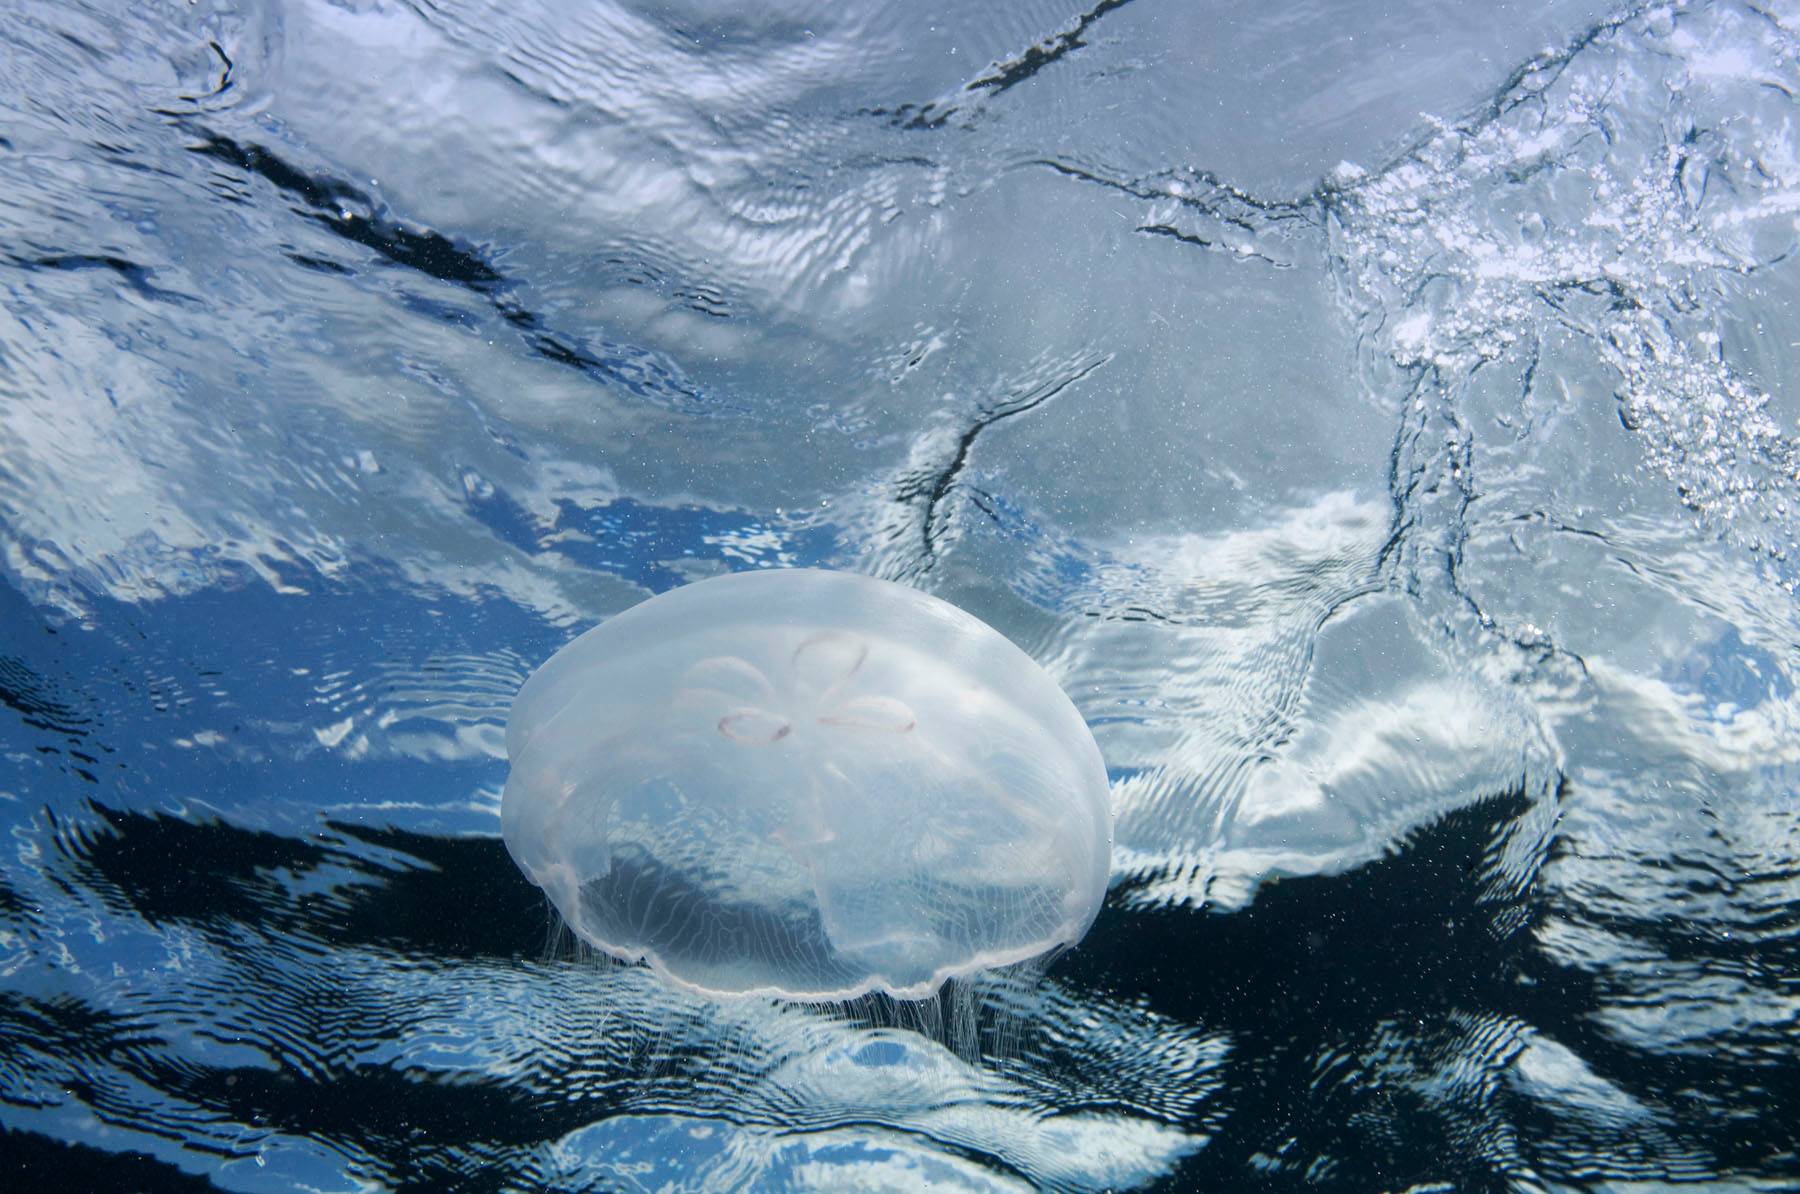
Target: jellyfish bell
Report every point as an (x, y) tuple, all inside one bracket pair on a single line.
[(809, 785)]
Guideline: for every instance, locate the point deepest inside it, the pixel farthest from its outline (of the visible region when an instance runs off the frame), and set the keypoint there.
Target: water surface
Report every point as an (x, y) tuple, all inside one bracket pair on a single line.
[(1380, 418)]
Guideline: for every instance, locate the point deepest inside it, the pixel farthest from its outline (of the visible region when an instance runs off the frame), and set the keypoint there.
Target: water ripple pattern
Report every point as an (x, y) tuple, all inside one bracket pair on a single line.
[(1383, 420)]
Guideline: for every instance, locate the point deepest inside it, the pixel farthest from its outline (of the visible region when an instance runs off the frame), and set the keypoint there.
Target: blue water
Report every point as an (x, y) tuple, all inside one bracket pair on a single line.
[(1380, 418)]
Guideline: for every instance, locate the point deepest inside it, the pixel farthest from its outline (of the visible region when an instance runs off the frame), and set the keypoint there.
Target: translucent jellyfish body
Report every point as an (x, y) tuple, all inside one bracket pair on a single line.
[(807, 784)]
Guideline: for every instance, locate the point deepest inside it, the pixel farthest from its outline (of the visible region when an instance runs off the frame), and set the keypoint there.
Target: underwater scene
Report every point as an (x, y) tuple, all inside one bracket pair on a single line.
[(1378, 423)]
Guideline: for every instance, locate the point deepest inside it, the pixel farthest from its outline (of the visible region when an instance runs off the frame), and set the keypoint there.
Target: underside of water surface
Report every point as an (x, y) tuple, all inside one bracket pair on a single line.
[(1382, 420)]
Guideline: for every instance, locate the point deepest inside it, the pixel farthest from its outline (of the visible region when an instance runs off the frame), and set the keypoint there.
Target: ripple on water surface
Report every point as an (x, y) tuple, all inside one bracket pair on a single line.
[(1406, 502)]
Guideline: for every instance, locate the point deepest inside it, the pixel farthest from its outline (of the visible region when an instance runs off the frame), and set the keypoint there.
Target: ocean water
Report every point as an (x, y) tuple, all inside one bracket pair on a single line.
[(1383, 419)]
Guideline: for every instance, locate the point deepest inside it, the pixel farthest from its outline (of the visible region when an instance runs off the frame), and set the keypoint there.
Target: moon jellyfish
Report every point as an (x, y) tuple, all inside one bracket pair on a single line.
[(811, 785)]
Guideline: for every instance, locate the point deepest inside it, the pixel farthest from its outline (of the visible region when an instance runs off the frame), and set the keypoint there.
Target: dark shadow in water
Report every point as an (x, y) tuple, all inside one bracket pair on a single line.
[(353, 214), (446, 899), (1374, 1019), (29, 1161)]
